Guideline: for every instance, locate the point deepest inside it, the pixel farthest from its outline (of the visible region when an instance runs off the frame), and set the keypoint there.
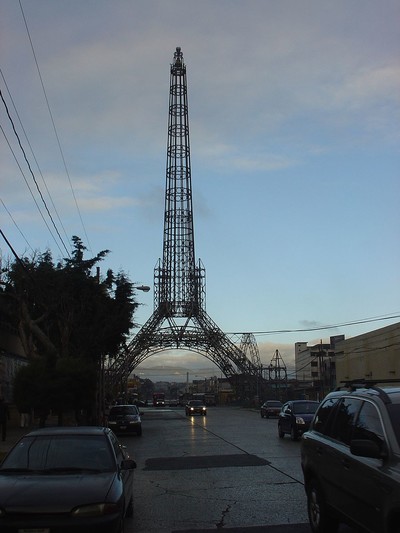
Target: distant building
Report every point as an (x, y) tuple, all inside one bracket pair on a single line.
[(316, 365), (372, 355)]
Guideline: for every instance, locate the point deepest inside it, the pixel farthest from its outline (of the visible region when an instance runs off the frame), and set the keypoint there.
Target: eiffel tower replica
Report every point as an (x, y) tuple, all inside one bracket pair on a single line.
[(179, 319)]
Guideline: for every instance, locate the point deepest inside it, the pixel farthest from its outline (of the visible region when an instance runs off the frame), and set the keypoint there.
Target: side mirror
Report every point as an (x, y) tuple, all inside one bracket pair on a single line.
[(128, 464), (366, 448)]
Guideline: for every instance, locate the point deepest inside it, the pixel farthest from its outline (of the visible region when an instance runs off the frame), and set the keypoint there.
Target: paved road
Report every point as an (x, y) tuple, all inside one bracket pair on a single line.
[(228, 471)]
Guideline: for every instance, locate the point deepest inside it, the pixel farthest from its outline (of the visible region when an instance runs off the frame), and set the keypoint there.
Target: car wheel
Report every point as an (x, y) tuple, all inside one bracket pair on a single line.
[(262, 416), (139, 432), (321, 519), (293, 433), (267, 415), (129, 509), (280, 432)]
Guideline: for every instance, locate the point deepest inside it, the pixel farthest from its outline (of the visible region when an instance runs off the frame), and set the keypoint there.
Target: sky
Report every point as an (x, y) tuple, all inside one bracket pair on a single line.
[(294, 131)]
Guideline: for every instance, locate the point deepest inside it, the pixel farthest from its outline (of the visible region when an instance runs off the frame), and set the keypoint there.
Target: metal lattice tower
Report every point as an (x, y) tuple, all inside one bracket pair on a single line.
[(277, 372), (179, 319)]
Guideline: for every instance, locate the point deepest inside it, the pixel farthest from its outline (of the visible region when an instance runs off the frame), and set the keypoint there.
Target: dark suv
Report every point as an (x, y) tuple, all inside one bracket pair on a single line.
[(351, 460)]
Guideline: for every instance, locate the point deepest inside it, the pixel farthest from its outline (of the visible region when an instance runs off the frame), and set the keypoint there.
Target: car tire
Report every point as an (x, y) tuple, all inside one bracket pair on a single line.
[(262, 416), (280, 432), (293, 433), (139, 432), (320, 518)]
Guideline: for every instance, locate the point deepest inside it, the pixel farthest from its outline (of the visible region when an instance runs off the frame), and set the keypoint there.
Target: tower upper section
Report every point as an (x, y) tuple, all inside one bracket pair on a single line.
[(178, 277)]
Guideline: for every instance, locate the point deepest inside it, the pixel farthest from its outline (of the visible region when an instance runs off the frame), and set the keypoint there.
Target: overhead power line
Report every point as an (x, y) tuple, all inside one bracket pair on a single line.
[(31, 171), (33, 154), (54, 126), (16, 225), (320, 328)]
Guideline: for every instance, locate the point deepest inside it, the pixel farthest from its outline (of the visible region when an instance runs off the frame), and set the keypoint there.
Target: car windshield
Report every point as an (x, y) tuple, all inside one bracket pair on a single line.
[(195, 402), (124, 410), (273, 404), (58, 452), (305, 407)]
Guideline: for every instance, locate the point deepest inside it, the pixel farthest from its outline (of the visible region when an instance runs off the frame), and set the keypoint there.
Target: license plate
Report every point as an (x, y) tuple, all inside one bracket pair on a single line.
[(122, 427), (35, 530)]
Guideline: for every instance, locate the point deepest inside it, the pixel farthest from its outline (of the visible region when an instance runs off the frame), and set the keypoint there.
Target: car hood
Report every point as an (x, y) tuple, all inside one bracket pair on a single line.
[(60, 493)]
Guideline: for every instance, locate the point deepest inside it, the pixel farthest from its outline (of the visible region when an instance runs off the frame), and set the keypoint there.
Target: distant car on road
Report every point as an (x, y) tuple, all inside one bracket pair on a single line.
[(66, 479), (270, 408), (173, 402), (195, 407), (351, 459), (295, 417), (125, 419)]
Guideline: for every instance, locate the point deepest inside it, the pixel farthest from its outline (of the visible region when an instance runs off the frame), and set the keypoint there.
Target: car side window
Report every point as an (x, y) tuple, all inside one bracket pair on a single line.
[(369, 425), (343, 423), (324, 415)]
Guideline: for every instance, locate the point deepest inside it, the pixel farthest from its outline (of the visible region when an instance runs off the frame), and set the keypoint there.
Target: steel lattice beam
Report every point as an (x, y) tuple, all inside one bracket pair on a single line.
[(179, 319)]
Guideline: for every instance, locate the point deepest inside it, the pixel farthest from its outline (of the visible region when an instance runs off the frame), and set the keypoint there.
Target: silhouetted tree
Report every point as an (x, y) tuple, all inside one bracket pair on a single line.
[(68, 318)]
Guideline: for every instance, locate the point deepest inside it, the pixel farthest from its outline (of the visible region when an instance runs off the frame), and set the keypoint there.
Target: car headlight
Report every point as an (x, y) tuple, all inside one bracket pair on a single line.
[(192, 408), (95, 509), (299, 420), (203, 408)]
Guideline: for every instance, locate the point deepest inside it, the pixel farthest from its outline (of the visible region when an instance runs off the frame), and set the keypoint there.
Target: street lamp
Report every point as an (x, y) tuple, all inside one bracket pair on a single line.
[(144, 288)]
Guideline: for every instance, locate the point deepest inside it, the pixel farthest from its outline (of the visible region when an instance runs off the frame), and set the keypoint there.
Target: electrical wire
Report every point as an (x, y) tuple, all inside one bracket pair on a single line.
[(31, 171), (30, 190), (16, 225), (54, 127), (33, 154), (320, 328)]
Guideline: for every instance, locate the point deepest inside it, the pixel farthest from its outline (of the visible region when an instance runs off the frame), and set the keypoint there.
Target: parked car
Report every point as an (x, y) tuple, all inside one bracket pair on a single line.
[(270, 408), (295, 417), (125, 419), (350, 459), (194, 407), (66, 479)]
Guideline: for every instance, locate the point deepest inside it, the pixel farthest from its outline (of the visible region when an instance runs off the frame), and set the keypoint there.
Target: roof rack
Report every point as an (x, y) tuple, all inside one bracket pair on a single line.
[(355, 384)]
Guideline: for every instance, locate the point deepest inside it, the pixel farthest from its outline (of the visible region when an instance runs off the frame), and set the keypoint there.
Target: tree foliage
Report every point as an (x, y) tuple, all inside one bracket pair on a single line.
[(68, 318)]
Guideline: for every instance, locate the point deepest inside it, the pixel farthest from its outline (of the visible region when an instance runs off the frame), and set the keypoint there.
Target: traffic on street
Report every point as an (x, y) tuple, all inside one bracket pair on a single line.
[(227, 471)]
